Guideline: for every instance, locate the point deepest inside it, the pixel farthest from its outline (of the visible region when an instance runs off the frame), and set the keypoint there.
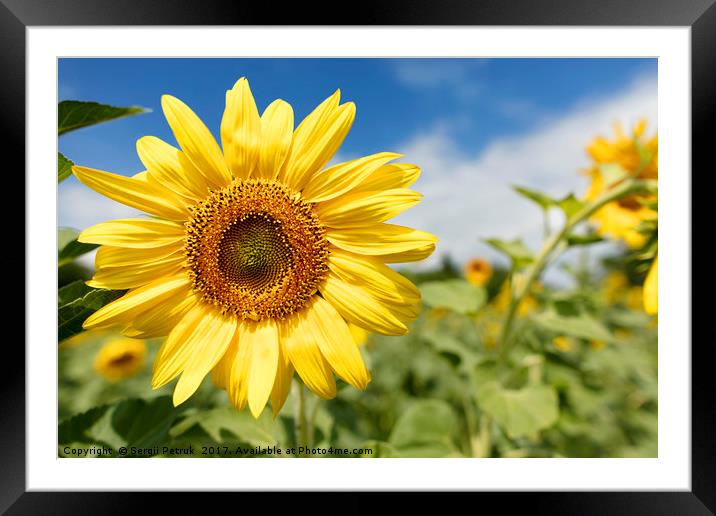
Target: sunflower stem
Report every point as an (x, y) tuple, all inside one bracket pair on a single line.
[(300, 423), (623, 189)]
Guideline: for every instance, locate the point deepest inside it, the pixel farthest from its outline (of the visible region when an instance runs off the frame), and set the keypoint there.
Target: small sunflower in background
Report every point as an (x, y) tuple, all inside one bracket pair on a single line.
[(478, 271), (120, 358), (562, 343), (257, 257), (638, 157)]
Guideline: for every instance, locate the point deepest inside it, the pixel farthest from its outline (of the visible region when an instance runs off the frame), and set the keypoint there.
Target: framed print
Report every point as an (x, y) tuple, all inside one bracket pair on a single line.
[(417, 253)]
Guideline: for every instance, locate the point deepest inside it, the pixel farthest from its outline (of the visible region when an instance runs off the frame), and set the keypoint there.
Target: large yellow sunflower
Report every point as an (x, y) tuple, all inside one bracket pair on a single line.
[(619, 219), (257, 257)]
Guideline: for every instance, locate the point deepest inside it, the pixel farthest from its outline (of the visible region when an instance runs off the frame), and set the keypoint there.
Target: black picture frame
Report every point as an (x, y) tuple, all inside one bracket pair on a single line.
[(700, 15)]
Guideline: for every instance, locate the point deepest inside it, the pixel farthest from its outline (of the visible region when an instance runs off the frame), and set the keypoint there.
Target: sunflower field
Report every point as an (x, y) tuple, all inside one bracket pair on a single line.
[(479, 359)]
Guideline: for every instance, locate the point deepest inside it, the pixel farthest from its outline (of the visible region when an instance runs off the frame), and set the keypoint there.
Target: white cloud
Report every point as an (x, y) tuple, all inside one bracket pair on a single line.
[(440, 73), (468, 196)]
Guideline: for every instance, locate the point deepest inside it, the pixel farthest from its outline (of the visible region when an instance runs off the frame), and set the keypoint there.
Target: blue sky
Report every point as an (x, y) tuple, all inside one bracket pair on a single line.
[(474, 125)]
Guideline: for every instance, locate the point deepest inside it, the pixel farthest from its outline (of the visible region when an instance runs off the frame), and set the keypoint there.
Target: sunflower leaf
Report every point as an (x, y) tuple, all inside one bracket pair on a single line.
[(454, 294), (68, 248), (587, 239), (516, 249), (520, 412), (428, 428), (64, 167), (544, 201), (75, 114), (581, 325), (570, 205), (76, 302)]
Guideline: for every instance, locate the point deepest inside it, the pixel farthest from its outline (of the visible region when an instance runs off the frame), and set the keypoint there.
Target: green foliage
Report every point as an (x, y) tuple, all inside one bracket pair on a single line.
[(76, 302), (580, 325), (64, 167), (544, 201), (516, 250), (453, 294), (570, 205), (74, 114), (428, 428), (520, 412), (68, 248)]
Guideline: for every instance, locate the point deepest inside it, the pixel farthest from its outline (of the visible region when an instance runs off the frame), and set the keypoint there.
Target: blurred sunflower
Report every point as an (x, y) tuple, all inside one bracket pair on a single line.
[(257, 257), (478, 271), (562, 343), (528, 303), (637, 156), (120, 358), (651, 285)]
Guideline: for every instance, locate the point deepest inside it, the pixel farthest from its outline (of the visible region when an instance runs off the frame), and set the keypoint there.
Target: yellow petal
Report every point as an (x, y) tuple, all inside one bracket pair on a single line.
[(196, 141), (373, 275), (337, 344), (276, 137), (136, 301), (262, 338), (338, 179), (366, 208), (163, 163), (120, 278), (379, 239), (118, 257), (161, 319), (207, 344), (241, 130), (392, 175), (240, 371), (414, 255), (130, 191), (357, 306), (303, 352), (282, 382), (135, 233), (651, 289), (316, 140)]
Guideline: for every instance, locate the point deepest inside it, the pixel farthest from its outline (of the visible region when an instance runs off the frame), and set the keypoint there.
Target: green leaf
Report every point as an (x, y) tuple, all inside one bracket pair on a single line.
[(570, 205), (520, 412), (76, 302), (612, 174), (582, 325), (75, 114), (68, 248), (516, 249), (64, 167), (426, 428), (226, 424), (455, 294), (543, 200)]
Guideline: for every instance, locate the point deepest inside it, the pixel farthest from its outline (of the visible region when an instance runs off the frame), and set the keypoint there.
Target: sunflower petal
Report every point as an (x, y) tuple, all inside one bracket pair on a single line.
[(239, 375), (241, 130), (136, 301), (357, 306), (413, 255), (161, 319), (339, 179), (374, 276), (337, 344), (282, 382), (366, 208), (130, 191), (262, 338), (276, 137), (135, 276), (303, 352), (392, 175), (163, 163), (208, 343), (135, 233), (316, 140), (109, 257), (379, 239), (196, 141)]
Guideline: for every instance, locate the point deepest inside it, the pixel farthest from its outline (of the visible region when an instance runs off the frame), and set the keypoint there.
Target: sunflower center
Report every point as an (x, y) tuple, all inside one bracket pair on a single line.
[(256, 249)]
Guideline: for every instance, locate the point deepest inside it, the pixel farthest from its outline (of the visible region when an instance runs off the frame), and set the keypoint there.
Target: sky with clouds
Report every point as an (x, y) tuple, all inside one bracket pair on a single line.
[(475, 126)]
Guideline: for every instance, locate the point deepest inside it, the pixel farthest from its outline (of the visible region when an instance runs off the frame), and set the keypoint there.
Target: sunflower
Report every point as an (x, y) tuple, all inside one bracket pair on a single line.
[(257, 257), (637, 156), (120, 358), (478, 271), (651, 285)]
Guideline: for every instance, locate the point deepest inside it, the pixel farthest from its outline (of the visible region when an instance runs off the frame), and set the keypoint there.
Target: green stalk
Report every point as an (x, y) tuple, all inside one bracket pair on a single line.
[(623, 189), (300, 427)]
